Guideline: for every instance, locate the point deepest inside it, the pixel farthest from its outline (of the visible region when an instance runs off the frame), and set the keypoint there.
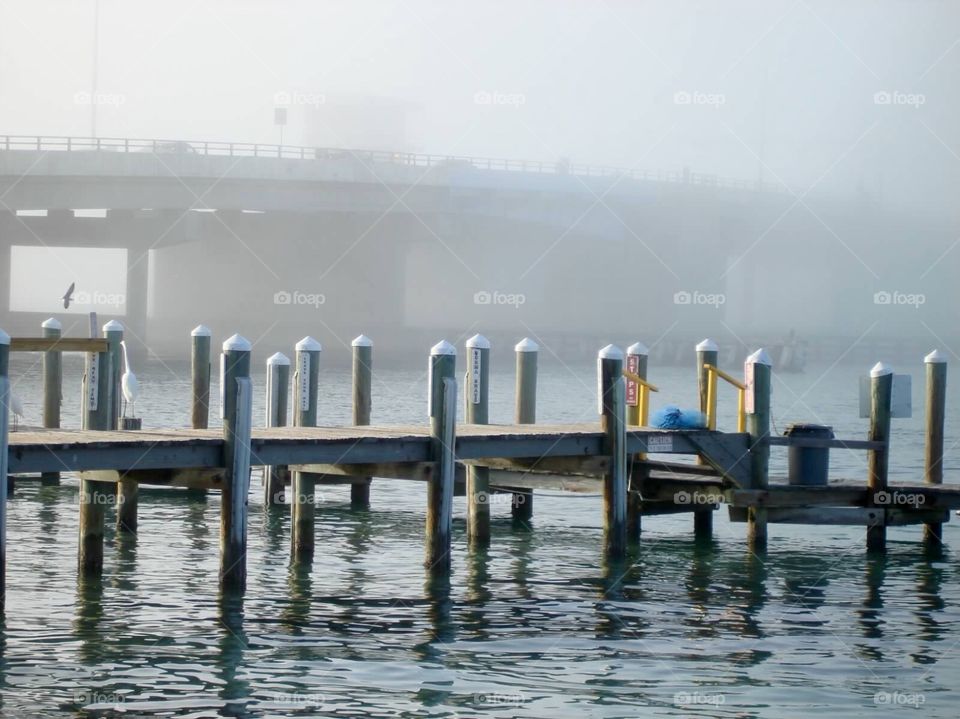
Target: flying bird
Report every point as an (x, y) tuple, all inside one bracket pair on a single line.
[(128, 382), (68, 296)]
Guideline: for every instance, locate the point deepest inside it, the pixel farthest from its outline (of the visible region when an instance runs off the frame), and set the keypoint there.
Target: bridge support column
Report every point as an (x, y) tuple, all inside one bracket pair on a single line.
[(138, 273)]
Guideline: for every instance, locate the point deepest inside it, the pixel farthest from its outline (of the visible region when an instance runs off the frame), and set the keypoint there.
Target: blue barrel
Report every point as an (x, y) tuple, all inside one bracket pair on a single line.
[(808, 466)]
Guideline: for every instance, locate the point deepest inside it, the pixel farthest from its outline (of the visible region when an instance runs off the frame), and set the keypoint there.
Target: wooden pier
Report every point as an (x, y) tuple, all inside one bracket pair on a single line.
[(618, 456)]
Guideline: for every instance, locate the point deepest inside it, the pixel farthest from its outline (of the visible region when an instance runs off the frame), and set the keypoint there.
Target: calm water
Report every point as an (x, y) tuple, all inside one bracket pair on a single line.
[(539, 626)]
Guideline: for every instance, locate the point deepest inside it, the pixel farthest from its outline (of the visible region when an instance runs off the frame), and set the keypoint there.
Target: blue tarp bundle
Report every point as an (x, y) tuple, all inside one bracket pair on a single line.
[(672, 417)]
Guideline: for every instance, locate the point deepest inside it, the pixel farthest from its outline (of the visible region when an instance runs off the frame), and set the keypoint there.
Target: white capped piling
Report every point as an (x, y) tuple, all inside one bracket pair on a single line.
[(442, 386), (637, 403), (936, 370), (95, 412), (278, 388), (613, 425), (237, 395), (757, 370), (52, 387), (881, 398), (200, 374), (362, 403), (525, 412), (708, 353), (476, 400), (113, 333), (306, 377), (4, 457)]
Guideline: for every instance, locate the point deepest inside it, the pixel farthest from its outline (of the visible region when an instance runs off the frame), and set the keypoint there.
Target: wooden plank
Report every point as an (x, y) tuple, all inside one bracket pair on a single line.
[(58, 344), (727, 454), (817, 443), (505, 480), (574, 466), (191, 478)]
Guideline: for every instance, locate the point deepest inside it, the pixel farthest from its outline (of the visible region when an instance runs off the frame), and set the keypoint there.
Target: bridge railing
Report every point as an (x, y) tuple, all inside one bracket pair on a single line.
[(366, 157)]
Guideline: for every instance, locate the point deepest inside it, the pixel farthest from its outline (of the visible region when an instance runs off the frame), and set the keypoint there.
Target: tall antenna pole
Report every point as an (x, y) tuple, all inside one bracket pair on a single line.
[(96, 64)]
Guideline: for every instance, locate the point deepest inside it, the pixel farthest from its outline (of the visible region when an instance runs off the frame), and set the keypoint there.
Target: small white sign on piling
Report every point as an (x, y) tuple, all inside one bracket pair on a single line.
[(93, 382), (476, 362), (304, 379)]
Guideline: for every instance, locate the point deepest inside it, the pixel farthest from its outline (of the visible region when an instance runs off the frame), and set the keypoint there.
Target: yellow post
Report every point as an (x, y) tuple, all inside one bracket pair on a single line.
[(711, 397), (741, 409)]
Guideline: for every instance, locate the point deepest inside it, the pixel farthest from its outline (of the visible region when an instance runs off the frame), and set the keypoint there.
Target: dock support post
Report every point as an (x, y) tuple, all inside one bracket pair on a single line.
[(4, 458), (302, 502), (200, 373), (881, 396), (362, 402), (95, 411), (613, 426), (936, 364), (637, 356), (476, 394), (113, 333), (707, 353), (525, 412), (278, 386), (237, 420), (443, 412), (52, 388), (758, 373)]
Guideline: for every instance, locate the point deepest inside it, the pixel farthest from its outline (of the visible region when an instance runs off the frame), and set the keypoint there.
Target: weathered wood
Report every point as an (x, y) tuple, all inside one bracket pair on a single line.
[(614, 426), (200, 377), (476, 400), (62, 344), (95, 413), (936, 371), (52, 387), (278, 384), (113, 334), (707, 354), (637, 358), (881, 394), (362, 377), (443, 409), (306, 379), (585, 466), (870, 517), (822, 443), (525, 412), (4, 454), (128, 496), (190, 478), (237, 423), (758, 372)]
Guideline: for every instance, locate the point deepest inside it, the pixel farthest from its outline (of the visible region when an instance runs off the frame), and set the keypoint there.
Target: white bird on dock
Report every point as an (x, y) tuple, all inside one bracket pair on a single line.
[(16, 406), (128, 382)]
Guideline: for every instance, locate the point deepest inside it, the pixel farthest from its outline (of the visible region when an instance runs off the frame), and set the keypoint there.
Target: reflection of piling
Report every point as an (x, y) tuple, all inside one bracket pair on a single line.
[(362, 401), (936, 365)]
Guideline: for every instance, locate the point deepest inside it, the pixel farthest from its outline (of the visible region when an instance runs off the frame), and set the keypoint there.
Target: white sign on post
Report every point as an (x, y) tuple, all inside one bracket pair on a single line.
[(750, 402), (476, 362), (93, 382), (633, 389), (304, 372)]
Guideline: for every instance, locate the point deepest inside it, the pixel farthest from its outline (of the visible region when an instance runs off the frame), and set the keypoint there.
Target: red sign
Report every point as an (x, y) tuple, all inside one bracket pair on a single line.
[(633, 389)]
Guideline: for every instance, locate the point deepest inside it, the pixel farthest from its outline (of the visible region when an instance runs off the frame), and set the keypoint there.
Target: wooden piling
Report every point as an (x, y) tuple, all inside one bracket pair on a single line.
[(637, 357), (936, 365), (278, 387), (237, 418), (707, 353), (443, 410), (476, 395), (200, 373), (4, 457), (525, 412), (362, 402), (52, 388), (303, 492), (881, 396), (113, 333), (96, 408), (758, 374), (613, 425)]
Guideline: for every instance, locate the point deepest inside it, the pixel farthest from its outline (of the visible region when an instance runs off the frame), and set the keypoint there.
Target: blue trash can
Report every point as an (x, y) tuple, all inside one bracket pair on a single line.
[(809, 466)]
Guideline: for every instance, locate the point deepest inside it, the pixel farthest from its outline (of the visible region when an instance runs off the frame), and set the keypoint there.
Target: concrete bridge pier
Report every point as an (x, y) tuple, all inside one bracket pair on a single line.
[(137, 294)]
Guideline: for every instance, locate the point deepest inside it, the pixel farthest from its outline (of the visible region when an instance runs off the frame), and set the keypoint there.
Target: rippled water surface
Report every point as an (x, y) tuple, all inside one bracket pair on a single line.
[(538, 626)]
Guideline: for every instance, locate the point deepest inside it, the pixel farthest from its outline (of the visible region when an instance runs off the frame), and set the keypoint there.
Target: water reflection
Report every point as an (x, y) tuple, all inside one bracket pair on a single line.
[(235, 689)]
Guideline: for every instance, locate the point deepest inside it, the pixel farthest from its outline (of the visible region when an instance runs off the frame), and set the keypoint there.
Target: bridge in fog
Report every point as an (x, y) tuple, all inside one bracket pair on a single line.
[(409, 245)]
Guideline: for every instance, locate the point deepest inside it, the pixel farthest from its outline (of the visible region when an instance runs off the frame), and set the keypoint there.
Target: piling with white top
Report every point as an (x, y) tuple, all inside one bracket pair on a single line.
[(52, 387), (4, 457), (113, 333), (443, 410), (614, 427), (200, 373), (758, 374), (306, 377), (936, 370), (637, 410), (237, 421), (525, 412), (476, 411), (708, 353), (95, 412), (278, 388), (362, 404), (881, 401)]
